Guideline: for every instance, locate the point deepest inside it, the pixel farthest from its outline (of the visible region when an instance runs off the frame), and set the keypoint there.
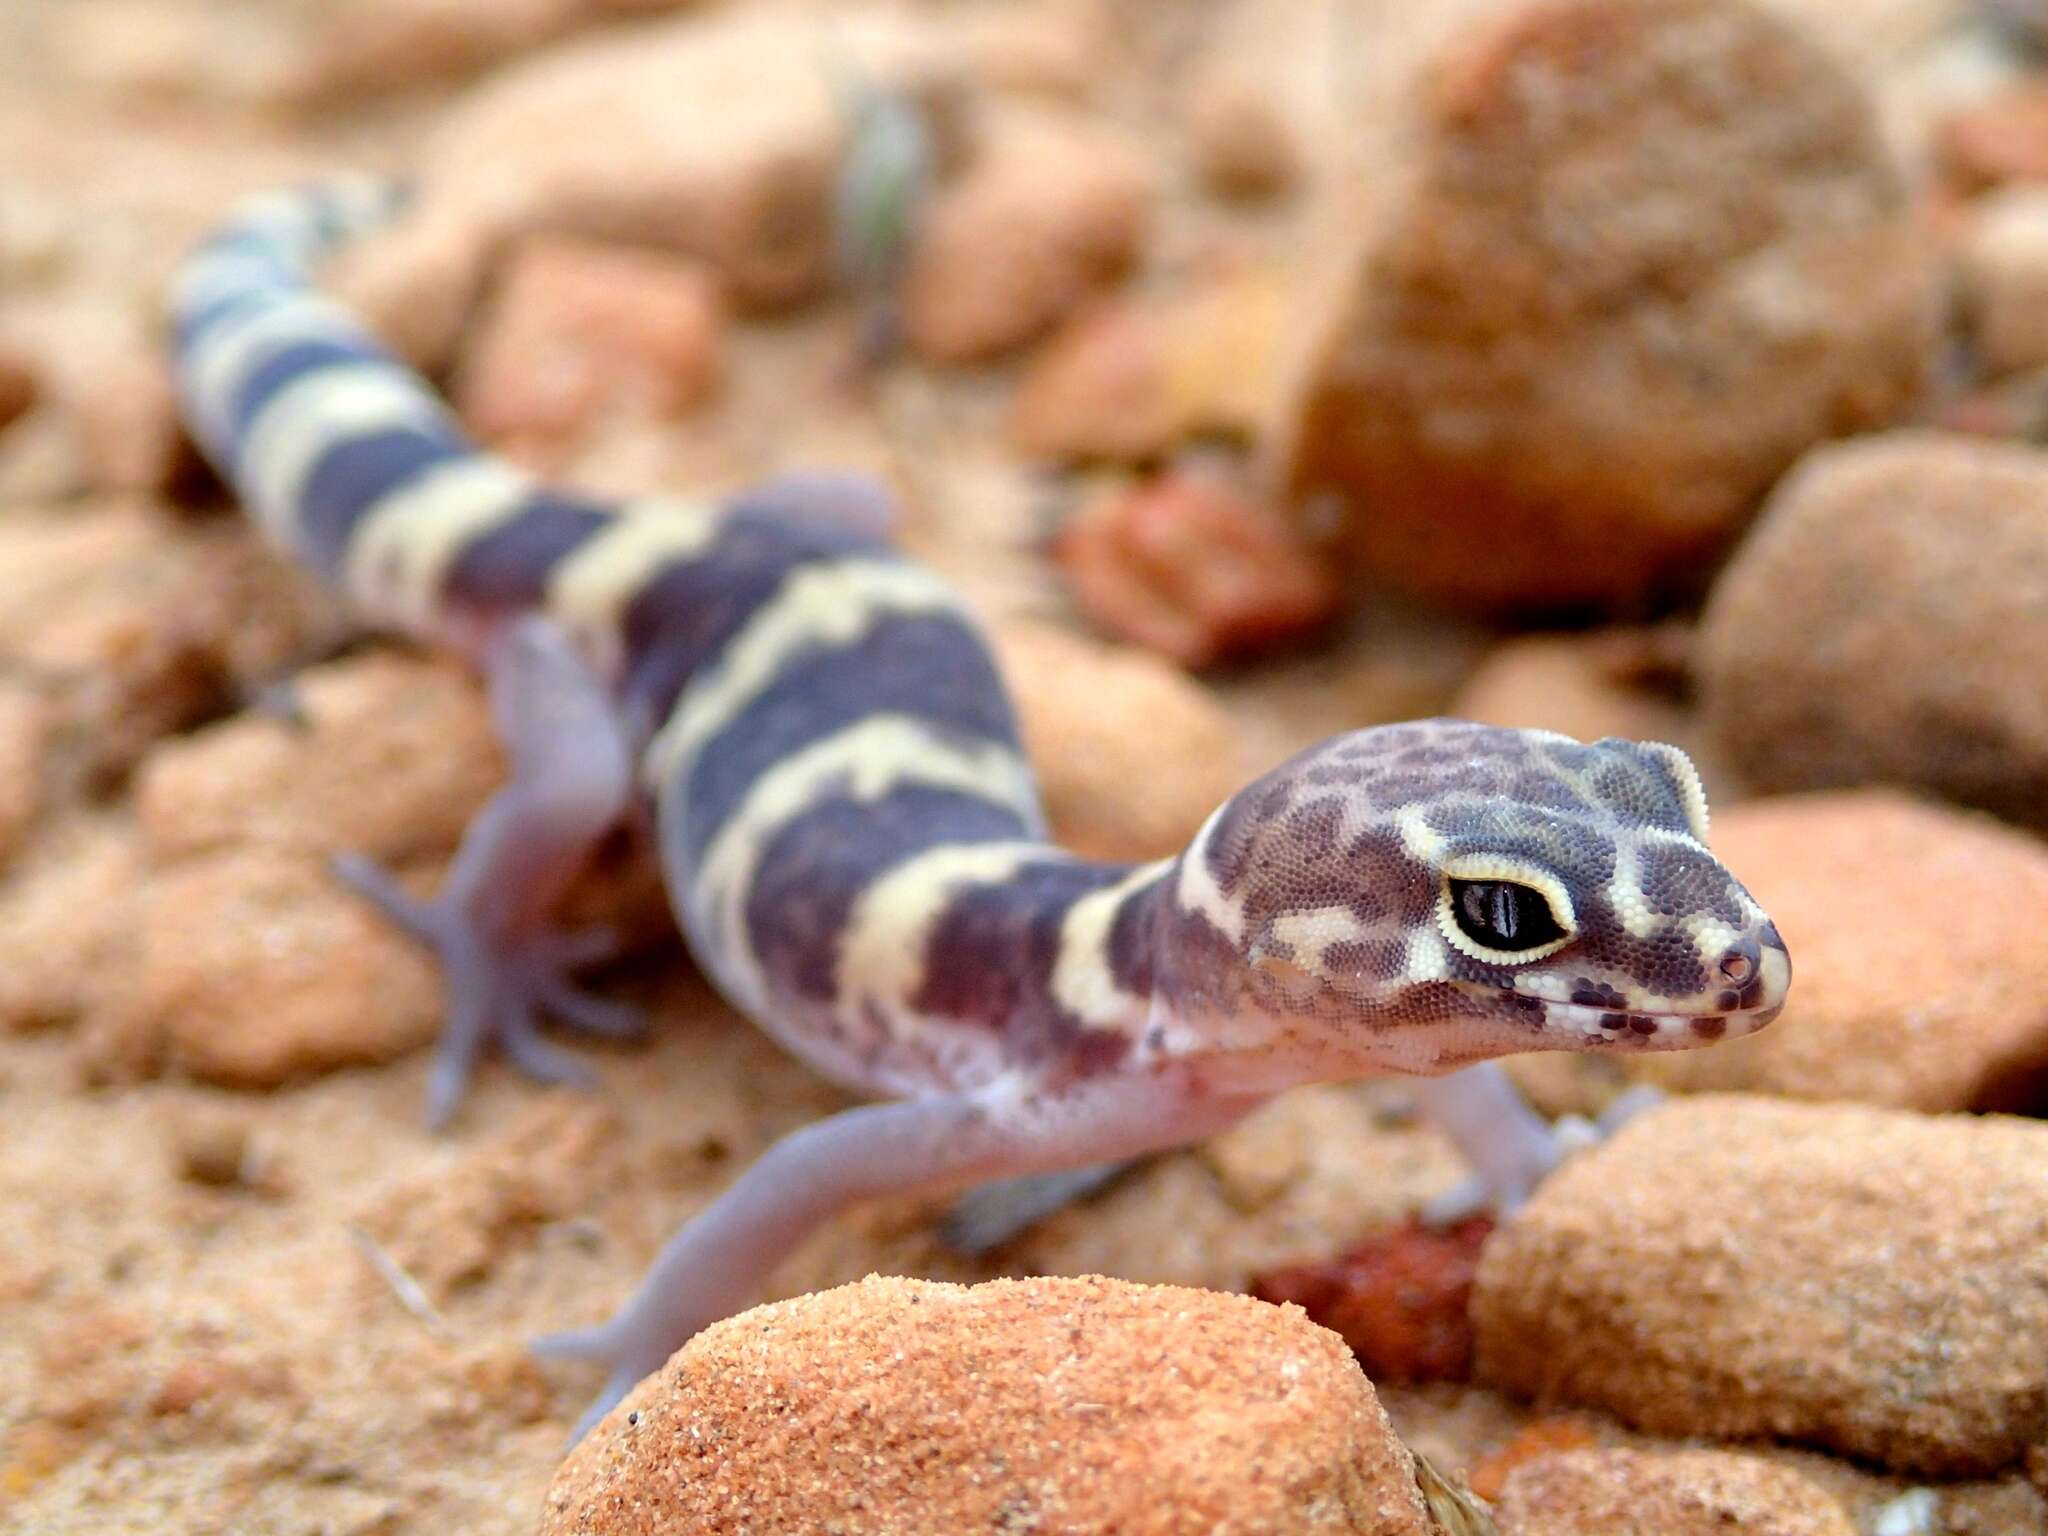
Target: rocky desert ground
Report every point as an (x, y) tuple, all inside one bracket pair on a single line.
[(1259, 369)]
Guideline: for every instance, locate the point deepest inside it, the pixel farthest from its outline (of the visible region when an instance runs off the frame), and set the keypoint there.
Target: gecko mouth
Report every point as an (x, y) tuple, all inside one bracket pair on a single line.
[(1649, 1031)]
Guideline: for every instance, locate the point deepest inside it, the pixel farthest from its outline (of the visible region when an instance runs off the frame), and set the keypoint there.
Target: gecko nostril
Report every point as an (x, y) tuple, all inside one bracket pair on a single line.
[(1738, 966)]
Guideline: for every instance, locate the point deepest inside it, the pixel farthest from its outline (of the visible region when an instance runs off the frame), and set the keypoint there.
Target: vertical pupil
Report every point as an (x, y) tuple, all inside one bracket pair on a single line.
[(1504, 910)]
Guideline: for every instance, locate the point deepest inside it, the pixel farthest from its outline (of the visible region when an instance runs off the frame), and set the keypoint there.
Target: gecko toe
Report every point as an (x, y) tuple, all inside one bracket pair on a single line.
[(498, 988)]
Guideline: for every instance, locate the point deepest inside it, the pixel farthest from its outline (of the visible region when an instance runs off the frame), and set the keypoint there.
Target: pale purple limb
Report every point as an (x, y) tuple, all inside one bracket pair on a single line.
[(504, 962), (1509, 1146), (717, 1262), (984, 1219)]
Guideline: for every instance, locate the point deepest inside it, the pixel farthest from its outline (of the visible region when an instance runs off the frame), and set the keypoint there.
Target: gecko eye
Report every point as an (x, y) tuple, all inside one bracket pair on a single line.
[(1502, 915)]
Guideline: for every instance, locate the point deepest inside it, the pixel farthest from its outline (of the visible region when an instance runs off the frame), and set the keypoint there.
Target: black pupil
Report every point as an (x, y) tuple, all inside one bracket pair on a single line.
[(1503, 915)]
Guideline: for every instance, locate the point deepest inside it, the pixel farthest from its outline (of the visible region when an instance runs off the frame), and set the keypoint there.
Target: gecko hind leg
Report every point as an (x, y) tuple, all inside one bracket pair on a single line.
[(504, 962)]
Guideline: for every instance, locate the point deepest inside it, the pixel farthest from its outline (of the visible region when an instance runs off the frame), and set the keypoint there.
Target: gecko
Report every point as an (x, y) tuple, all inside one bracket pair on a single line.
[(852, 843)]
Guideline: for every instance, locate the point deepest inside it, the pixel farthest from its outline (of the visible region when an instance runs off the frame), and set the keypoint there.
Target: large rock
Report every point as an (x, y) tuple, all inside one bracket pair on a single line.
[(1054, 208), (1131, 753), (714, 136), (1083, 1406), (2005, 279), (1868, 1281), (1686, 1493), (582, 336), (1643, 253), (1898, 1001), (1887, 621)]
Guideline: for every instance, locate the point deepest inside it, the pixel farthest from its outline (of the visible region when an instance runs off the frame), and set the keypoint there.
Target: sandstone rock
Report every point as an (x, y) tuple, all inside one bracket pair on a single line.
[(716, 137), (25, 721), (1687, 1493), (1097, 390), (1534, 1441), (1646, 253), (581, 334), (1189, 565), (67, 926), (2015, 408), (2005, 279), (1888, 621), (134, 625), (1991, 142), (1242, 144), (127, 417), (18, 384), (1130, 379), (1086, 1406), (104, 389), (1399, 1299), (1059, 48), (1131, 754), (1053, 208), (389, 757), (1868, 1281), (1896, 1001), (359, 47), (1608, 682), (257, 966)]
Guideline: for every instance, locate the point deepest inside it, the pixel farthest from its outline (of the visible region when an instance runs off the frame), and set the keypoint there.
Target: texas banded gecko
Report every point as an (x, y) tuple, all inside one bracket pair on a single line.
[(853, 847)]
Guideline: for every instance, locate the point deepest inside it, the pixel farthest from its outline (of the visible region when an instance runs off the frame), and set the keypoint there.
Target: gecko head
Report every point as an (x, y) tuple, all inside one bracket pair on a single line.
[(1438, 892)]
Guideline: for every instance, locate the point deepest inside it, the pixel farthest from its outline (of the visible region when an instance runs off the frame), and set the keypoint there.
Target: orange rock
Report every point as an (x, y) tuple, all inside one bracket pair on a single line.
[(1685, 1493), (1131, 379), (2004, 272), (1536, 1441), (1887, 622), (1131, 753), (1645, 252), (1052, 209), (1617, 681), (67, 926), (1867, 1281), (258, 966), (1398, 1299), (390, 758), (361, 47), (582, 334), (1185, 566), (1242, 145), (25, 722), (714, 136), (2001, 139), (135, 625), (1863, 883), (1097, 390), (1086, 1406), (18, 385)]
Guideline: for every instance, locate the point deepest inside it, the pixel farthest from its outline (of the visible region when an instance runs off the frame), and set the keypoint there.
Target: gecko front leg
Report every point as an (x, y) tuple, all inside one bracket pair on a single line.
[(1509, 1147), (503, 960), (714, 1265)]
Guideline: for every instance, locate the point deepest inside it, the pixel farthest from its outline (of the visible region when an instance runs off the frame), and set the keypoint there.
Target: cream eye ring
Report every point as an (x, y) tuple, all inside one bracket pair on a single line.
[(1486, 902)]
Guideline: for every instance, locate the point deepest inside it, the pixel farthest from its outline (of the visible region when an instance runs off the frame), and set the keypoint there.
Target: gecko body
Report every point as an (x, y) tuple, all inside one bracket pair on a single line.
[(852, 842)]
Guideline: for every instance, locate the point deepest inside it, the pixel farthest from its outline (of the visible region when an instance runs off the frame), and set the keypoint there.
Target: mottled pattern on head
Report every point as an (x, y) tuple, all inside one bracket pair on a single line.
[(1328, 894)]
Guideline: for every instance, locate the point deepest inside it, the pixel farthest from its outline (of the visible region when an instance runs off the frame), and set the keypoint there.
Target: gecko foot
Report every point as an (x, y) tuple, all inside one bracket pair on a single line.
[(498, 988), (1516, 1149), (606, 1345)]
